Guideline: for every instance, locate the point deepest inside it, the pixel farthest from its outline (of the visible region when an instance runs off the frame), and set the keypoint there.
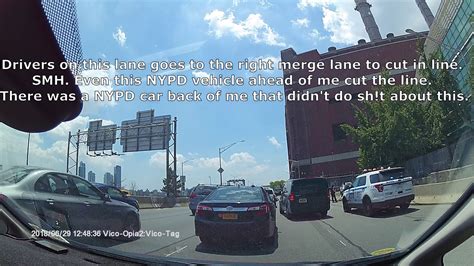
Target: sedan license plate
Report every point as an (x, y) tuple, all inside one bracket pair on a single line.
[(302, 200), (229, 216)]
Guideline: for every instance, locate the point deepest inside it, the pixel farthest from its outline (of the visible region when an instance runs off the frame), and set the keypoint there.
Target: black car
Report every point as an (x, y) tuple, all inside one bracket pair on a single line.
[(116, 194), (305, 196), (236, 212), (66, 202)]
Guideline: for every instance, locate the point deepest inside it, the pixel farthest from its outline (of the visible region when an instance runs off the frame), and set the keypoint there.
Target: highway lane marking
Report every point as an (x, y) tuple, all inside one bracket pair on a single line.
[(342, 243), (176, 251)]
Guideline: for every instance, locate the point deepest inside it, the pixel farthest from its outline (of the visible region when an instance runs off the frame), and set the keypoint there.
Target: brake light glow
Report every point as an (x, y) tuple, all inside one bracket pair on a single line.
[(202, 209), (260, 210), (291, 197), (379, 187)]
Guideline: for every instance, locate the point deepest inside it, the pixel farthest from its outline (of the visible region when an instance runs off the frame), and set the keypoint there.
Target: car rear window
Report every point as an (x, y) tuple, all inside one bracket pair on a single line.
[(269, 191), (237, 194), (307, 186), (391, 174), (204, 190), (13, 176)]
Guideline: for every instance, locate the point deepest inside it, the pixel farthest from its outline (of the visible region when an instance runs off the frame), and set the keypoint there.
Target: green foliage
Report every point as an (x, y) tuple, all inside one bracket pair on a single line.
[(391, 132), (168, 184), (277, 184)]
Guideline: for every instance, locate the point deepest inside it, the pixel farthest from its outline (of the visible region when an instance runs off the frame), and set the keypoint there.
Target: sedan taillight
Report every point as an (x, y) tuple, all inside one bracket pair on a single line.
[(260, 210), (202, 209), (291, 197)]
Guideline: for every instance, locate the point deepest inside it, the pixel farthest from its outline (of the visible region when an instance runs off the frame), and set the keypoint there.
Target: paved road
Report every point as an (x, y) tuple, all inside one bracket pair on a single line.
[(340, 236)]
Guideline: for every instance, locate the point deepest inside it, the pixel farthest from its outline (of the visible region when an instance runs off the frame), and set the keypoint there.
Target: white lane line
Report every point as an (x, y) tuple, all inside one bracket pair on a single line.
[(176, 251), (342, 243)]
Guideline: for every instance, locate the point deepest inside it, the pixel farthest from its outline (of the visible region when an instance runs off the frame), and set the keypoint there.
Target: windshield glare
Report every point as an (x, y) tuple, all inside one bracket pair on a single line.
[(236, 195), (265, 110)]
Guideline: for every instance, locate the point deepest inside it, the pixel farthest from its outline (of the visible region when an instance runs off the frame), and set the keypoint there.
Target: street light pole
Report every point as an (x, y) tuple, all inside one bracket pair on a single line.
[(222, 150), (182, 168)]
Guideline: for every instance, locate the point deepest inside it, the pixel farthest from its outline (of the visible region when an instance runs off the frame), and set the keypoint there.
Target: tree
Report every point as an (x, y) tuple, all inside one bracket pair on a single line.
[(168, 183), (390, 132), (277, 185)]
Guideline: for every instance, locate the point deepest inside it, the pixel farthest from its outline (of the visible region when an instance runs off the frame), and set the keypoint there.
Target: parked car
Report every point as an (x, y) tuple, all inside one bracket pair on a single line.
[(199, 193), (271, 194), (66, 202), (381, 189), (237, 212), (306, 195), (117, 194)]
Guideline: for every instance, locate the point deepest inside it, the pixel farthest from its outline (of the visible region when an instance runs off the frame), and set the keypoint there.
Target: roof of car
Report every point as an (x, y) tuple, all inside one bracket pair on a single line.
[(382, 170)]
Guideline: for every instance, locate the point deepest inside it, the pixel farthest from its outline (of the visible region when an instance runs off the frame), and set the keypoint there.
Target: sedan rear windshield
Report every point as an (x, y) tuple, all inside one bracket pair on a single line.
[(13, 176), (387, 175), (204, 190), (307, 186), (236, 194)]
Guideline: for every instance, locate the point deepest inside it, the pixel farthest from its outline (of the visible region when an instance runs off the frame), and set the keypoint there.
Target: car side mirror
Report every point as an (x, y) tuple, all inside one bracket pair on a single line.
[(107, 197)]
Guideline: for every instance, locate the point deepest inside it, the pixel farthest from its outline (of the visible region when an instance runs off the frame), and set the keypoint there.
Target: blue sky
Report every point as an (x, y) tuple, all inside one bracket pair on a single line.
[(203, 30)]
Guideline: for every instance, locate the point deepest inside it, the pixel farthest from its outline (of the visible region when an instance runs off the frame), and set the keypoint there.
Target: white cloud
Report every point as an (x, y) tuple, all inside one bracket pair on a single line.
[(274, 142), (91, 106), (316, 35), (253, 27), (200, 74), (241, 157), (119, 36), (337, 22), (158, 159), (80, 122), (301, 22), (303, 4)]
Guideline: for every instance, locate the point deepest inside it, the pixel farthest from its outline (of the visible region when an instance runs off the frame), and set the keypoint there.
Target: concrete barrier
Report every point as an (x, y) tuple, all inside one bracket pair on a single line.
[(151, 202), (441, 193)]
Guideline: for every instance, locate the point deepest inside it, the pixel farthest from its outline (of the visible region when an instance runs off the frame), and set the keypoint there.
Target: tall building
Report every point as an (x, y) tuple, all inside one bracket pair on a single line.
[(91, 177), (82, 170), (108, 179), (451, 33), (118, 176), (317, 145)]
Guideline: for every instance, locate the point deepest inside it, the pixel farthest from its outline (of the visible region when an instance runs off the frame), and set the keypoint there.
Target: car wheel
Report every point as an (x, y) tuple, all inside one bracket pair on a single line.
[(324, 214), (345, 207), (131, 223), (404, 206), (368, 210)]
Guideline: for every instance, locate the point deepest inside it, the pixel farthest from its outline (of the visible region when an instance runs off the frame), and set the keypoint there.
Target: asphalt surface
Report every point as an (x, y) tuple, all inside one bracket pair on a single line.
[(340, 236)]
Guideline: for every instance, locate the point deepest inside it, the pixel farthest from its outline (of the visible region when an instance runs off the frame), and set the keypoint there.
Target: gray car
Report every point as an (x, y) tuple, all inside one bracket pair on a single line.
[(198, 194), (66, 202)]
